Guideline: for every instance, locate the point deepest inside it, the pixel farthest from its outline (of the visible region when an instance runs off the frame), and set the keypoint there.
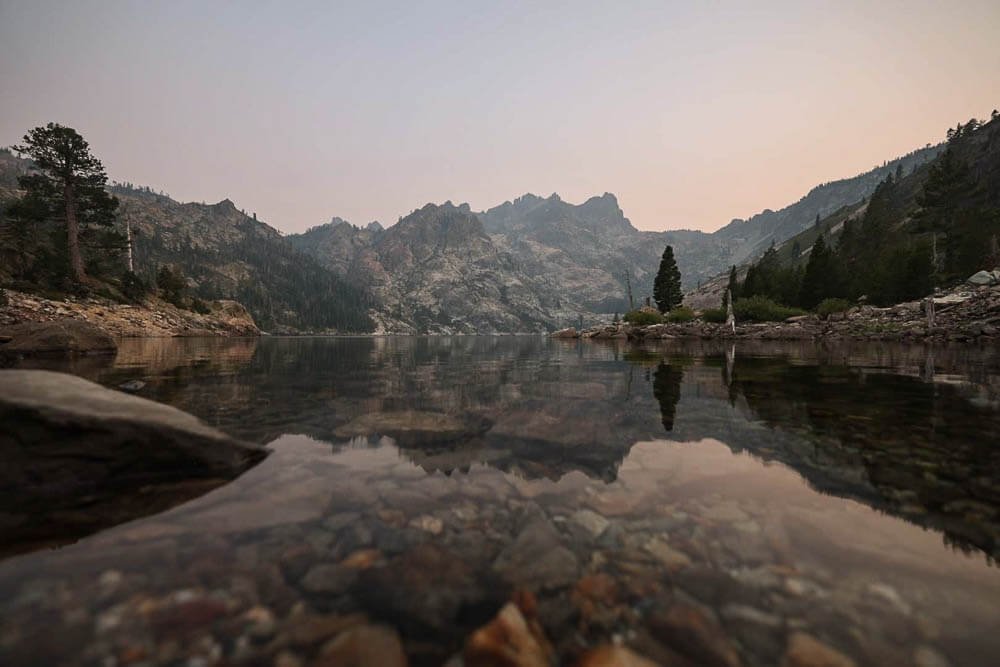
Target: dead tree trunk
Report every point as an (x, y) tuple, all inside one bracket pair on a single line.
[(730, 315), (77, 269), (128, 235)]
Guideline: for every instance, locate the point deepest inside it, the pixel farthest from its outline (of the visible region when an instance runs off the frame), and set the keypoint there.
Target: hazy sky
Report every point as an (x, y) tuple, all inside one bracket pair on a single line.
[(692, 113)]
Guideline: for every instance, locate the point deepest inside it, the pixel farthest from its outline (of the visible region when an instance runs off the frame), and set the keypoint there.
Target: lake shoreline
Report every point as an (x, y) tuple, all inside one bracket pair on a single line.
[(154, 318), (966, 314)]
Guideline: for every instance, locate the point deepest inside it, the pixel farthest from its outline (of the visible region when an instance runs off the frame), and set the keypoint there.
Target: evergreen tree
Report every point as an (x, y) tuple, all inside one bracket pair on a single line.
[(667, 286), (68, 186), (819, 281), (946, 213)]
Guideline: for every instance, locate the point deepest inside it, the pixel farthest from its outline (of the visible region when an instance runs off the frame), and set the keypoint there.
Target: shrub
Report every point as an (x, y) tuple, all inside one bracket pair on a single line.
[(828, 307), (199, 306), (714, 315), (680, 314), (643, 317), (762, 309), (134, 287)]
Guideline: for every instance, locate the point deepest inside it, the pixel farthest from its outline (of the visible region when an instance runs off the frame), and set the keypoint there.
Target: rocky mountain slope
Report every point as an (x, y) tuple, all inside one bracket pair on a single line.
[(225, 254), (228, 254), (584, 251), (435, 271)]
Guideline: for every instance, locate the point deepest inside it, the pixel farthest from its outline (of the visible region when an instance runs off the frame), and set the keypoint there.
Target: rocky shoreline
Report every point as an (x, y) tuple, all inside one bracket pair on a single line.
[(967, 314), (153, 318)]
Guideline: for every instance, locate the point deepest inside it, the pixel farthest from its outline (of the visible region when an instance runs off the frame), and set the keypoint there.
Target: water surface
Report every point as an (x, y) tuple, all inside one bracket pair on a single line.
[(737, 495)]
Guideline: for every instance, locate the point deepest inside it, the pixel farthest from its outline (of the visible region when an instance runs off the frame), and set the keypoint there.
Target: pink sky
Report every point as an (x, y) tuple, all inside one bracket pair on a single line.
[(692, 113)]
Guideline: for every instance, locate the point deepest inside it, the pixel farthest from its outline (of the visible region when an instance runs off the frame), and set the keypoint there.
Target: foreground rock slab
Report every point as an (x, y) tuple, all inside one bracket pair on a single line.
[(69, 443)]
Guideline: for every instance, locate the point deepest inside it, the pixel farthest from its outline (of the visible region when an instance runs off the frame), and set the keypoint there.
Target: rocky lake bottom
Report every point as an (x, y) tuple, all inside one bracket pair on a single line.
[(703, 503)]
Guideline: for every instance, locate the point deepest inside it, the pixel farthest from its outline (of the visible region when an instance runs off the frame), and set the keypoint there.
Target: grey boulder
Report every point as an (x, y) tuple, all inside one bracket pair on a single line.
[(78, 457)]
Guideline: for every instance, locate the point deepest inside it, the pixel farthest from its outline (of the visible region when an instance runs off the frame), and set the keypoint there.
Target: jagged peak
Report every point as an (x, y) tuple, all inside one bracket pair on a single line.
[(374, 226)]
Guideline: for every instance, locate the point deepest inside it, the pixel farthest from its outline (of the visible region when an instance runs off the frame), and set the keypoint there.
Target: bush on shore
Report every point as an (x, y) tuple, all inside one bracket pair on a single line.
[(714, 315), (680, 314), (828, 307), (643, 318), (762, 309)]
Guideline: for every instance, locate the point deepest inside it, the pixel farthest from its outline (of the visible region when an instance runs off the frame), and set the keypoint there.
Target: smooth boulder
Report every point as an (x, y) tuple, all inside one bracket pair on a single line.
[(984, 278), (79, 457), (58, 338)]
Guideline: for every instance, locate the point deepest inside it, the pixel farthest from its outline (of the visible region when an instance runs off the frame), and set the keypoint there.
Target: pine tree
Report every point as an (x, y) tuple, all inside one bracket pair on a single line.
[(819, 282), (667, 286), (68, 186)]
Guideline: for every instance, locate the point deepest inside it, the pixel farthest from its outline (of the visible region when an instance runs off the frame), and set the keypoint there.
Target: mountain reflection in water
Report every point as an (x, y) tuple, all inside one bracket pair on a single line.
[(512, 462)]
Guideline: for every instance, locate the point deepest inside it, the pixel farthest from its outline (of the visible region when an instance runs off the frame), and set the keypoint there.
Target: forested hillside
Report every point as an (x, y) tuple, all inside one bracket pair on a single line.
[(932, 226), (217, 251)]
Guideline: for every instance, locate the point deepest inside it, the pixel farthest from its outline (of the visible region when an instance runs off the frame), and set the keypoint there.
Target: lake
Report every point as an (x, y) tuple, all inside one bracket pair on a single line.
[(704, 503)]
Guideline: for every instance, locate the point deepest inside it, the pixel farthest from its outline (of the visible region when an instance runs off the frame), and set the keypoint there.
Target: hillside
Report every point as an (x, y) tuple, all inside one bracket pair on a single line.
[(747, 239), (933, 226), (228, 254), (225, 254)]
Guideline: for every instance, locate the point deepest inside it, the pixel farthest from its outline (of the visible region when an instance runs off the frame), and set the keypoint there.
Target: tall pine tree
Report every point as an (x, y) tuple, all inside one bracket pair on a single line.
[(820, 281), (667, 286), (67, 185)]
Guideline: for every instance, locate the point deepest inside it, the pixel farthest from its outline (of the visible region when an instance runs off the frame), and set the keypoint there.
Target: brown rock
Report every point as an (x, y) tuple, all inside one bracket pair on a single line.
[(613, 656), (804, 650), (691, 632), (309, 630), (510, 640), (182, 619), (565, 333), (362, 559), (363, 646)]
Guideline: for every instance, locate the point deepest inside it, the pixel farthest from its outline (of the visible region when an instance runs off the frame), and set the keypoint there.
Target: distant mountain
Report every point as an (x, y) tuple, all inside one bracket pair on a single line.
[(435, 271), (582, 252)]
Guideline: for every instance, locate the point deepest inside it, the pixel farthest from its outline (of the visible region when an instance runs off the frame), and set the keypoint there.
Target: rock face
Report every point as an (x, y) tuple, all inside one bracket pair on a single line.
[(581, 252), (435, 271), (65, 440), (61, 337)]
